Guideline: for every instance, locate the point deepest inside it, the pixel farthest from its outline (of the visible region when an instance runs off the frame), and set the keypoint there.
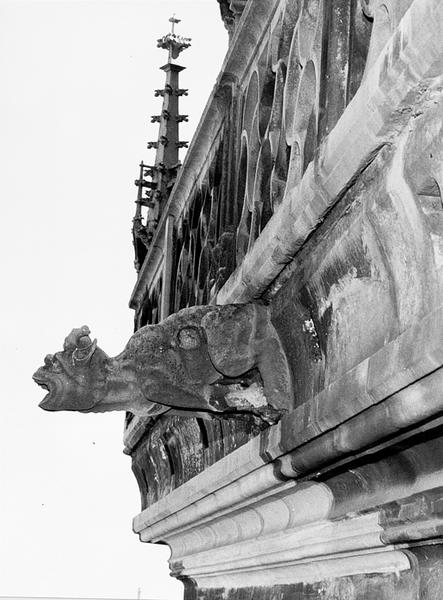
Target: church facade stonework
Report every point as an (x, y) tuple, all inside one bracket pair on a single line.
[(311, 195), (313, 186)]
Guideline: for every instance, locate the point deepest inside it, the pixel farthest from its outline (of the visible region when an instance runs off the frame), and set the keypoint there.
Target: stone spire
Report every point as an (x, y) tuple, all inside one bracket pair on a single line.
[(156, 181)]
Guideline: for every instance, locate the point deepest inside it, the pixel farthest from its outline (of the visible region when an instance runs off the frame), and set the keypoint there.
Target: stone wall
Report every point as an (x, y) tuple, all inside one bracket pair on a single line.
[(313, 184)]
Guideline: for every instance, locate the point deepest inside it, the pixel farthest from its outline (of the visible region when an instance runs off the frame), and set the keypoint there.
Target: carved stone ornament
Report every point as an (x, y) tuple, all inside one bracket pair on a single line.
[(201, 360), (173, 42)]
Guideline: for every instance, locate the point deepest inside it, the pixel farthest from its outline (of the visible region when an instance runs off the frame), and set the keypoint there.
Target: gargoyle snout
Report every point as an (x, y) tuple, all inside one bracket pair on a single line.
[(36, 377), (41, 379)]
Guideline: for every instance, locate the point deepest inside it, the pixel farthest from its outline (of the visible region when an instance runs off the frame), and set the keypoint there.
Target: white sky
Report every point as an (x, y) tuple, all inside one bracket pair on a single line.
[(77, 80)]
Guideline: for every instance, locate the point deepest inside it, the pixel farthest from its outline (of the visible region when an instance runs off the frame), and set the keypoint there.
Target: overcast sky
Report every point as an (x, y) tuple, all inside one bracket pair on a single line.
[(77, 81)]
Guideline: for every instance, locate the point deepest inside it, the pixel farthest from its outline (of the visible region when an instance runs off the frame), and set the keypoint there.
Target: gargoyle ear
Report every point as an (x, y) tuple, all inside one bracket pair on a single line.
[(189, 338), (79, 342), (78, 338)]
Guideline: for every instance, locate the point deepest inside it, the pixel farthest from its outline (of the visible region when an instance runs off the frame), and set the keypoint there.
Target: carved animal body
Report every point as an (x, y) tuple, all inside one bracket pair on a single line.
[(201, 360)]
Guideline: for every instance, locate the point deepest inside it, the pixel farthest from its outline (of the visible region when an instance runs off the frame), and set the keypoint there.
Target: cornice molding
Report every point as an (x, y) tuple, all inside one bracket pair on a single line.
[(289, 532)]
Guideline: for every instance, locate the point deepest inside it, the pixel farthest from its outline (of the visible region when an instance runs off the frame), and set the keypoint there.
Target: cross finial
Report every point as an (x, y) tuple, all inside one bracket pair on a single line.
[(173, 20), (172, 42)]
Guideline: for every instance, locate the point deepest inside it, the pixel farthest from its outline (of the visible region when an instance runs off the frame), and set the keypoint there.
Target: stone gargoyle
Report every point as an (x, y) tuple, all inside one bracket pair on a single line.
[(201, 360)]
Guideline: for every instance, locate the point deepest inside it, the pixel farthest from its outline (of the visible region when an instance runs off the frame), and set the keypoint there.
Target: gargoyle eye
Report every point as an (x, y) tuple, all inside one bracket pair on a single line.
[(188, 338)]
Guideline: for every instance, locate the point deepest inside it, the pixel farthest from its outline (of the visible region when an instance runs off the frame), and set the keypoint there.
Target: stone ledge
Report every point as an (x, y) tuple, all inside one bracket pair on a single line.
[(311, 571), (310, 531)]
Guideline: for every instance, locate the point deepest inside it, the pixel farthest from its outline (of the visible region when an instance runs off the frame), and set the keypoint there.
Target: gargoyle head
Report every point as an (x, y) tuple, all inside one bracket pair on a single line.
[(74, 376)]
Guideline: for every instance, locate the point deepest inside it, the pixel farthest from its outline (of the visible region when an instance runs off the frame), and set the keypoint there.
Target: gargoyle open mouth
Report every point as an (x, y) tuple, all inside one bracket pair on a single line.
[(43, 383)]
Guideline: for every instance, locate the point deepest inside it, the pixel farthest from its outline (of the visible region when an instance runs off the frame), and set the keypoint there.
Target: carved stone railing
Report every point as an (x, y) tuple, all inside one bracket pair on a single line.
[(205, 237)]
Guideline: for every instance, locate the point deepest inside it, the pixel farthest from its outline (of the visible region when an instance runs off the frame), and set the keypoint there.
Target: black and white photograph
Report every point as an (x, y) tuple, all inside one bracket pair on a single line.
[(222, 299)]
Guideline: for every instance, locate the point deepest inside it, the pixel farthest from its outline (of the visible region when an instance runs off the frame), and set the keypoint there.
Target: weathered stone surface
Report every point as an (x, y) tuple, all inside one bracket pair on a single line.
[(259, 532), (379, 586), (319, 155), (392, 90), (200, 360), (188, 447), (370, 272), (313, 185)]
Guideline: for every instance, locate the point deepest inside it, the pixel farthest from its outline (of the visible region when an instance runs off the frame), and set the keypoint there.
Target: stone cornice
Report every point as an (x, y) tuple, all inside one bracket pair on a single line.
[(259, 530), (274, 532)]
